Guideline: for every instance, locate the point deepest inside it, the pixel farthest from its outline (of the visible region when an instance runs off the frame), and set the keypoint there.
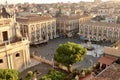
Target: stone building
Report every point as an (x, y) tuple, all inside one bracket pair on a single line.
[(113, 51), (38, 29), (100, 31), (110, 73), (69, 25), (14, 50), (105, 11)]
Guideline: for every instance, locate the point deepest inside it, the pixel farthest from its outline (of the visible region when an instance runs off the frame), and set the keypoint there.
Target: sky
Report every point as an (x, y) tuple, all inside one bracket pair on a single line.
[(40, 1)]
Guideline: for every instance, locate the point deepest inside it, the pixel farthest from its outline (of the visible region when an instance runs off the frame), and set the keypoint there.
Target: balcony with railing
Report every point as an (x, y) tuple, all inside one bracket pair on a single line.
[(5, 22), (6, 45)]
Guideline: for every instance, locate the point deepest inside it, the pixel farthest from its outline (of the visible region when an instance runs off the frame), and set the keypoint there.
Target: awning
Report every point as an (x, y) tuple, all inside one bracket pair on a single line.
[(107, 60)]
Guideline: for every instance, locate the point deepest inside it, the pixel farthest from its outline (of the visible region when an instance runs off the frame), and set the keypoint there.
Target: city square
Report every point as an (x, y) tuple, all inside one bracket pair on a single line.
[(60, 40), (47, 51)]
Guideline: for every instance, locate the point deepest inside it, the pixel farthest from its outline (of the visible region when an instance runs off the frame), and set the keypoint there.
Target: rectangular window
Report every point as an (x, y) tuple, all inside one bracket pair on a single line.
[(5, 35), (1, 61), (17, 55)]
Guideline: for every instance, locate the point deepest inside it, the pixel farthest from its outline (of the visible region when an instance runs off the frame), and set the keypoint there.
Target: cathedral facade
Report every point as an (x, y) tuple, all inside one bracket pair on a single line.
[(14, 49)]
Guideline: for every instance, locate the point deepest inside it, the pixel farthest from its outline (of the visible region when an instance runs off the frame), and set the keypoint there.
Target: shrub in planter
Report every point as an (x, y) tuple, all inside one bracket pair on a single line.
[(75, 72), (83, 74), (97, 66)]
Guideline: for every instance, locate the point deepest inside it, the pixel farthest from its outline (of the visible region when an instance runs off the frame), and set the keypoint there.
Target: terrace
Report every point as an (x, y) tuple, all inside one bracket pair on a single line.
[(5, 22), (12, 44), (110, 73)]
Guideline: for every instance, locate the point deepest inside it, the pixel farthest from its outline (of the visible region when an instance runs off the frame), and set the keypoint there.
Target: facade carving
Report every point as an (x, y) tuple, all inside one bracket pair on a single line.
[(14, 50)]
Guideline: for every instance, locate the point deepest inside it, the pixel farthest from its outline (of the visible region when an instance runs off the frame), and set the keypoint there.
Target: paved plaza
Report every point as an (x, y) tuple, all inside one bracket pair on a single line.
[(48, 50)]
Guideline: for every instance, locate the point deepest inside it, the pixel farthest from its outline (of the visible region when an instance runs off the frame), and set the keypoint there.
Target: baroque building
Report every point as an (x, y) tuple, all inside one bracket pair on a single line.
[(37, 28), (14, 50), (69, 25), (100, 31), (113, 51)]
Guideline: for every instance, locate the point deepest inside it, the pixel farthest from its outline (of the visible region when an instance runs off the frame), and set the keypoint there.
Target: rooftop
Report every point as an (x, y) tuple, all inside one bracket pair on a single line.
[(102, 24), (4, 22), (11, 45), (110, 73), (70, 17), (108, 60), (114, 50), (34, 17)]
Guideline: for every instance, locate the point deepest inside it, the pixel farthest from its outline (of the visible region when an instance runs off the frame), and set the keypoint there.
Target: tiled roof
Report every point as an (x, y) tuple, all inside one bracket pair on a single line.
[(111, 73), (71, 17), (108, 60), (102, 24), (33, 18)]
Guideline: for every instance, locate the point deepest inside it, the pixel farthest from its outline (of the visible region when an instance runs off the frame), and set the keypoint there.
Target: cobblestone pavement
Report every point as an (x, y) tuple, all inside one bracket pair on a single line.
[(47, 51), (41, 68)]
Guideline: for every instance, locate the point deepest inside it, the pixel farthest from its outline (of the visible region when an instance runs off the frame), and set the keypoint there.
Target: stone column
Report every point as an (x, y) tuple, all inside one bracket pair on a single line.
[(107, 32), (24, 59), (1, 37), (60, 27), (88, 32), (118, 33), (7, 57), (11, 61), (83, 30), (97, 32), (46, 30), (40, 30), (92, 31), (55, 29), (102, 29), (27, 54), (35, 30), (8, 60), (51, 30), (64, 29), (29, 32)]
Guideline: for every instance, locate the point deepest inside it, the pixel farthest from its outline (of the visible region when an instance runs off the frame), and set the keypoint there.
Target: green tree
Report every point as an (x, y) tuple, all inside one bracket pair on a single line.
[(69, 53), (31, 75), (53, 75), (8, 74)]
